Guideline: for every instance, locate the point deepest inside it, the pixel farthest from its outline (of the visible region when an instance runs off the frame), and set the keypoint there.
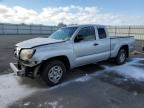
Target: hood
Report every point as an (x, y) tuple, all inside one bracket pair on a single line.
[(37, 42)]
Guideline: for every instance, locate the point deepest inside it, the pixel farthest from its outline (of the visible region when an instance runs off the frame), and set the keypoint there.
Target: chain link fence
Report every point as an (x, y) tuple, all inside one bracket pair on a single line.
[(22, 29), (137, 31)]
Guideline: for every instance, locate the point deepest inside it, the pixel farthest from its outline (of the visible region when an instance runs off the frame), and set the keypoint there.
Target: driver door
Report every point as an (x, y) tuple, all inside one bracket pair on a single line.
[(85, 46)]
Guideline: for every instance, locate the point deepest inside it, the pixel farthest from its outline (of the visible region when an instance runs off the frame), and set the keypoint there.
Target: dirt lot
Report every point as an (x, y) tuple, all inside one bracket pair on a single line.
[(102, 85)]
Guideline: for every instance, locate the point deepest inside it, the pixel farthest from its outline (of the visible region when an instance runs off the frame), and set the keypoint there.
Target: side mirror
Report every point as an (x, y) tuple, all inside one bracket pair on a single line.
[(79, 38)]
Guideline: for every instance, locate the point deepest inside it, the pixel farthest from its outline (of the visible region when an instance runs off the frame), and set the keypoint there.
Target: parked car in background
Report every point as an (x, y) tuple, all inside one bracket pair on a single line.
[(67, 48)]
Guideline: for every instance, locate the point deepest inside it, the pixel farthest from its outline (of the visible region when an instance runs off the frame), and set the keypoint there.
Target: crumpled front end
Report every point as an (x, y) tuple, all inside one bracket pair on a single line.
[(25, 68)]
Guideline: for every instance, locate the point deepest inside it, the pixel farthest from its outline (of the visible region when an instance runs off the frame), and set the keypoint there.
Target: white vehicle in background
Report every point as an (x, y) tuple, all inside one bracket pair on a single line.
[(67, 48)]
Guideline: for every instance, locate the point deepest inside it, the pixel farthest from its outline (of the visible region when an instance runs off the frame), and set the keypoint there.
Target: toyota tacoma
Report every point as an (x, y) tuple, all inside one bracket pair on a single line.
[(67, 48)]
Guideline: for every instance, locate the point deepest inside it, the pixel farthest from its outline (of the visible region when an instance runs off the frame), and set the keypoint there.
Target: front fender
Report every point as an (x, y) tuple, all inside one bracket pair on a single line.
[(45, 53)]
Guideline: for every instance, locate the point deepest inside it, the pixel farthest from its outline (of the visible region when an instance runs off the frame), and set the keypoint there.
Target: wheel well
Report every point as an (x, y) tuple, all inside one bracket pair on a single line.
[(63, 59), (126, 48)]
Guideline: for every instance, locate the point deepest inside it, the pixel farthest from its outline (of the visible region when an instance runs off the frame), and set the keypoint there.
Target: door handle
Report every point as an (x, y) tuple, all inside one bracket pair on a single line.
[(95, 44)]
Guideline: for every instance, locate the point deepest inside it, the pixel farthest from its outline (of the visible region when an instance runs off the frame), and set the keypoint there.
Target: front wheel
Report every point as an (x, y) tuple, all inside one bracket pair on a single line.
[(53, 72), (121, 57)]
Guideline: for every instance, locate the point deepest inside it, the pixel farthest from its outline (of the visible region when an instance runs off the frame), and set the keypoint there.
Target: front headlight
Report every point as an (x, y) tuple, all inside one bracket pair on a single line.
[(26, 54)]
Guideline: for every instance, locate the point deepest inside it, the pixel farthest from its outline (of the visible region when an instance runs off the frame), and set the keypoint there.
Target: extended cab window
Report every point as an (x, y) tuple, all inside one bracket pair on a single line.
[(101, 33), (85, 34)]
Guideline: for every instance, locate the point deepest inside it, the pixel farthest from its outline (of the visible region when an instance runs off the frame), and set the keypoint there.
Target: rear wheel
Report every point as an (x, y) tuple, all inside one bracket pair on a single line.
[(53, 72), (121, 57)]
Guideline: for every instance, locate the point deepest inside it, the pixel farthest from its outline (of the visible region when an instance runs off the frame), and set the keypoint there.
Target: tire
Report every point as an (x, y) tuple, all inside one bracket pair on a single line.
[(121, 57), (53, 72)]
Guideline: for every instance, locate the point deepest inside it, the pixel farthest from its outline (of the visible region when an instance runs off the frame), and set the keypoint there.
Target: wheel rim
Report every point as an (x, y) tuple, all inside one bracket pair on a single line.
[(55, 73), (122, 57)]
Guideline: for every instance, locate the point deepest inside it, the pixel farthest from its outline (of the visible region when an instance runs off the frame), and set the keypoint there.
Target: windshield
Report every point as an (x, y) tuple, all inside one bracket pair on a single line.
[(63, 33)]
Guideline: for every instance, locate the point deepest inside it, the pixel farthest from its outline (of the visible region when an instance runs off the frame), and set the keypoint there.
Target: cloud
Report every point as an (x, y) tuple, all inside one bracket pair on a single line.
[(68, 14)]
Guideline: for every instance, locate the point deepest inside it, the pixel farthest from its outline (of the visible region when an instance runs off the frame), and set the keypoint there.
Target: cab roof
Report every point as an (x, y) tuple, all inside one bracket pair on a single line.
[(84, 25)]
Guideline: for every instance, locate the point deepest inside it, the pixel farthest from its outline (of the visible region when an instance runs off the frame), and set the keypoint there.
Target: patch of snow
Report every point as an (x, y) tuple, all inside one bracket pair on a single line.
[(130, 72), (84, 78), (53, 104), (27, 104), (135, 61), (12, 89), (60, 85), (81, 79)]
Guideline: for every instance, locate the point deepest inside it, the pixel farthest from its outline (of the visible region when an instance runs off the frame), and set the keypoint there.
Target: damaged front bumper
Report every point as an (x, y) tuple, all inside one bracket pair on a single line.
[(19, 72), (22, 71)]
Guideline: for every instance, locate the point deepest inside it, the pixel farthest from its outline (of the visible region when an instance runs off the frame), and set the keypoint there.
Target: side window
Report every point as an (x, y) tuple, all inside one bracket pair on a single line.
[(85, 34), (101, 33)]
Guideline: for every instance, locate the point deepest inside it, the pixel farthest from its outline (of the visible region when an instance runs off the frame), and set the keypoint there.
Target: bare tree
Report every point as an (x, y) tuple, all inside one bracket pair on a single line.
[(61, 24)]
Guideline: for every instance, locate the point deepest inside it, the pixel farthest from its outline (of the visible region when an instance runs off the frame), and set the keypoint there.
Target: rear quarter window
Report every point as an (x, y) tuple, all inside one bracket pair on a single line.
[(101, 33)]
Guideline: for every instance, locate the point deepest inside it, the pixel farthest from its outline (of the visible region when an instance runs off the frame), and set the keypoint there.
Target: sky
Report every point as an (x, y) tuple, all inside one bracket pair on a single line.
[(52, 12)]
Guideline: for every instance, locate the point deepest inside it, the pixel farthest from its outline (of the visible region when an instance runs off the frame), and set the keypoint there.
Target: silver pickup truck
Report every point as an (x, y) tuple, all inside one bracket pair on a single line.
[(67, 48)]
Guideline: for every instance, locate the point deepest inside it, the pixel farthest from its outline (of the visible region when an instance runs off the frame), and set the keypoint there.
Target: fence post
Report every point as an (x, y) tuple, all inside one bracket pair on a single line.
[(40, 29), (115, 31), (129, 31), (30, 29), (17, 29), (3, 29)]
